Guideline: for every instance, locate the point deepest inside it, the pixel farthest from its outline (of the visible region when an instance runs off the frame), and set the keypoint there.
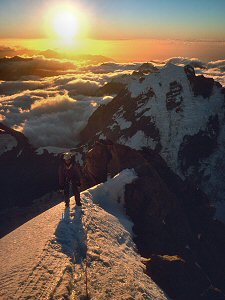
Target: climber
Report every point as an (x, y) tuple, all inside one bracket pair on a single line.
[(69, 173)]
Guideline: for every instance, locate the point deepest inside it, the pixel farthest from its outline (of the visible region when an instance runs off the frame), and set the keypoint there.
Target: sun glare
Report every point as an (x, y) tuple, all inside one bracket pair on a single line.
[(65, 25)]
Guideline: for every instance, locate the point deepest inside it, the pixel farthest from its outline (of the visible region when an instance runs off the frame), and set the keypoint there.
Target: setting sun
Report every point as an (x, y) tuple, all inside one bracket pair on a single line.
[(65, 25)]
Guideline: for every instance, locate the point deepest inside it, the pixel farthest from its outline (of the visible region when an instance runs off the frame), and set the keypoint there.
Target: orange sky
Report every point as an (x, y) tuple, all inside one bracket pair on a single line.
[(129, 50), (125, 30)]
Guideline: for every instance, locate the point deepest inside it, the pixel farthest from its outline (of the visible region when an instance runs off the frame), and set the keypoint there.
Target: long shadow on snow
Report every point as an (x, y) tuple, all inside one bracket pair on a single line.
[(71, 235)]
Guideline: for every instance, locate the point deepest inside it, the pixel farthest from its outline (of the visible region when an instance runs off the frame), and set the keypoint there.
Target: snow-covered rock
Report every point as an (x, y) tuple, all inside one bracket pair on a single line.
[(110, 195), (176, 113)]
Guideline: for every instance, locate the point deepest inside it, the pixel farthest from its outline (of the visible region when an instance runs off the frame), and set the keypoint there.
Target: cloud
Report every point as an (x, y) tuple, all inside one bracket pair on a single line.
[(54, 120), (194, 62), (13, 87), (25, 98), (220, 64), (7, 51), (16, 67), (103, 78), (58, 121), (112, 67), (16, 108), (81, 86)]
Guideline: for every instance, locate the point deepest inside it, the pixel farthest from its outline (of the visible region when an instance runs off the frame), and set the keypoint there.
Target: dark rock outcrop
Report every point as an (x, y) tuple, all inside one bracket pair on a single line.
[(172, 218), (100, 118), (110, 88), (181, 280), (25, 175), (147, 68), (202, 86), (199, 146), (189, 70), (173, 98)]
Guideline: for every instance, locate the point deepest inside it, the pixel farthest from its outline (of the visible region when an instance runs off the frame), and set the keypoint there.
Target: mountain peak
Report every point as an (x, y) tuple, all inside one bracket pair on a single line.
[(167, 111)]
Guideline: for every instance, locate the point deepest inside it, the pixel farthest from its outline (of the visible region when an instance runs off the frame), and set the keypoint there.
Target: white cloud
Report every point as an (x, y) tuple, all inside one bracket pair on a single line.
[(112, 67), (217, 64), (52, 121), (59, 121), (194, 62), (81, 86), (12, 87)]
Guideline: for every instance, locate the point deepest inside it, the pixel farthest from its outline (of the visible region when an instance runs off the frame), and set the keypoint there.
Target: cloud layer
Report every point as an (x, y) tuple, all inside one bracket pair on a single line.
[(17, 67), (52, 103)]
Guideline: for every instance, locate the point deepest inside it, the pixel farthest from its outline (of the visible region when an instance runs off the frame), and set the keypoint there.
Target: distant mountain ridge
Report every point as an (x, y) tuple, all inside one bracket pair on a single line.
[(45, 64)]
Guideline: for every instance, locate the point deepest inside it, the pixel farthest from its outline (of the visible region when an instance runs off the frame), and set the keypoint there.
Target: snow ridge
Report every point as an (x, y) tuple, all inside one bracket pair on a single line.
[(87, 252)]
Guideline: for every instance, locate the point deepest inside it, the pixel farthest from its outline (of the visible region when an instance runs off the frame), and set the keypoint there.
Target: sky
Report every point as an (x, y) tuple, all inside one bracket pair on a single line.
[(122, 22)]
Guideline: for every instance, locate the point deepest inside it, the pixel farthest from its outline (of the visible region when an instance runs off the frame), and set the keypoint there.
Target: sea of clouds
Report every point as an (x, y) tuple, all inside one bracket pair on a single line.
[(50, 100)]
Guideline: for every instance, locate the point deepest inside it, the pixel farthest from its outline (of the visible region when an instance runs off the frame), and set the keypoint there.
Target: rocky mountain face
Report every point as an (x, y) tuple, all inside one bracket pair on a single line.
[(25, 175), (173, 222), (173, 112), (28, 180)]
